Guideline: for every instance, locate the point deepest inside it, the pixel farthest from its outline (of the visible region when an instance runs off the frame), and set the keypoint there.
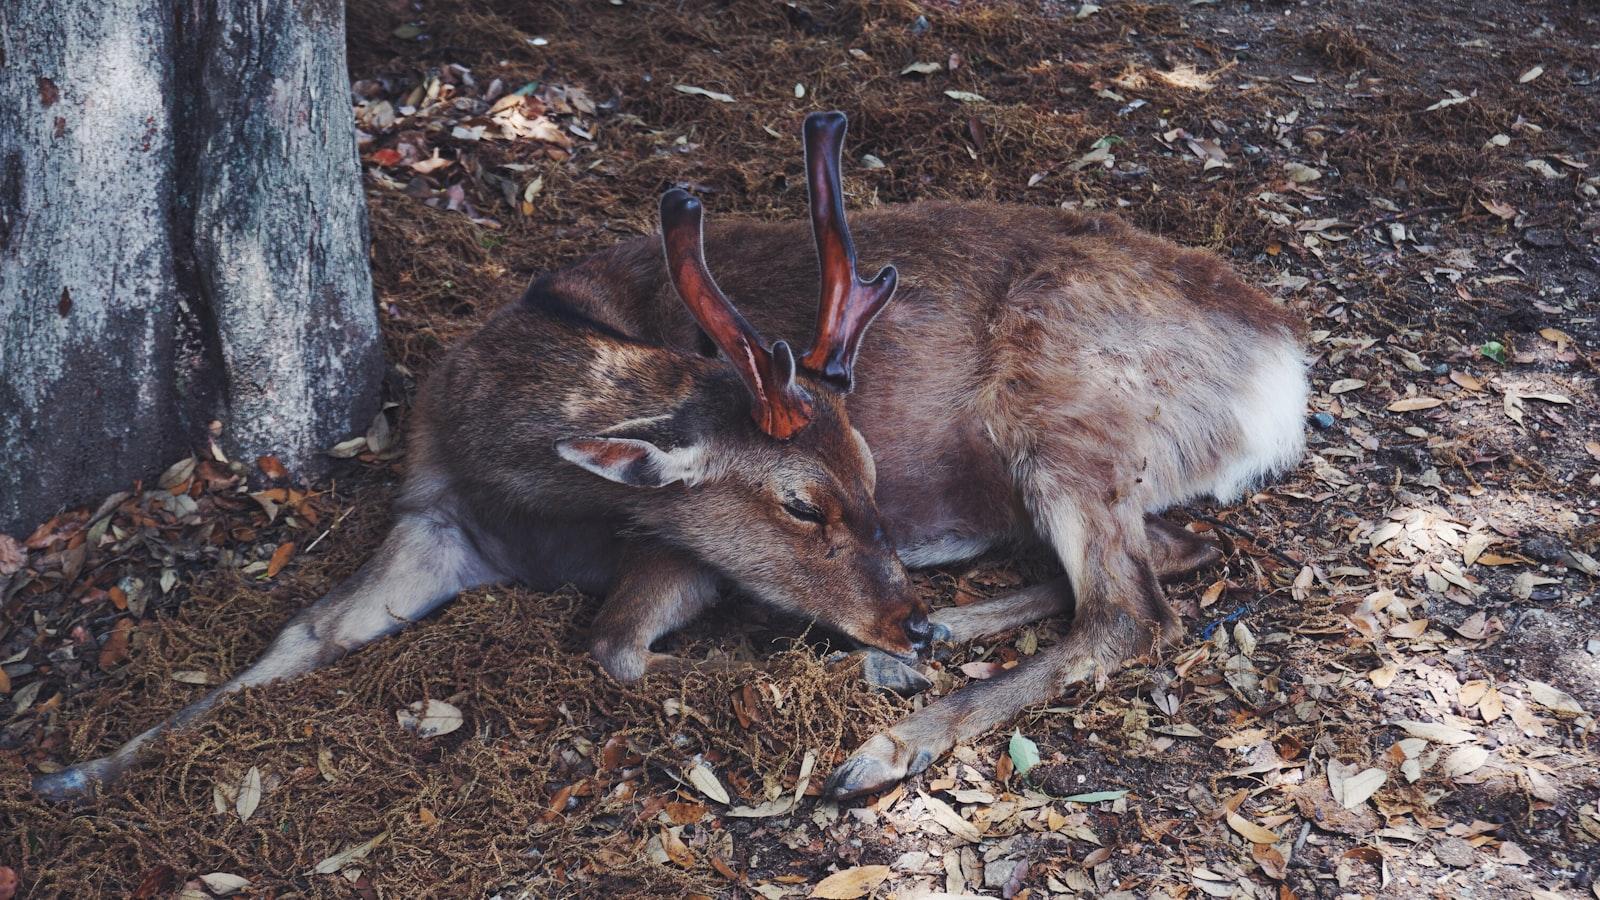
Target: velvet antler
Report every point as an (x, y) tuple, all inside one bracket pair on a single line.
[(848, 304), (781, 408)]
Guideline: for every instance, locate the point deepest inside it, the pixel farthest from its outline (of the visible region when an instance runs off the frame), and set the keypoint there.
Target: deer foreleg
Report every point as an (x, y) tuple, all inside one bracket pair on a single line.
[(421, 564), (658, 590)]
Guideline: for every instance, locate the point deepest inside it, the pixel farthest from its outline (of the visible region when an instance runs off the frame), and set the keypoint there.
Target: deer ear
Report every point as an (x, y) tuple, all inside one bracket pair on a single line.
[(633, 462)]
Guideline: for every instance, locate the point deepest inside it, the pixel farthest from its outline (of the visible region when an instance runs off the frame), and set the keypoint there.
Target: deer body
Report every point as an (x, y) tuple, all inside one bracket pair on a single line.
[(1042, 376)]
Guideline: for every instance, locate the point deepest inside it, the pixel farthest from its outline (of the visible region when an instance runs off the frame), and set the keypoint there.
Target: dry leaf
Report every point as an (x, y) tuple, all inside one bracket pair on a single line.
[(702, 92), (249, 794), (1250, 831), (675, 848), (347, 856), (1409, 630), (115, 649), (1432, 731), (429, 718), (1554, 699), (280, 558), (1411, 404), (223, 884), (1464, 761), (951, 820), (1351, 788), (850, 883), (705, 780)]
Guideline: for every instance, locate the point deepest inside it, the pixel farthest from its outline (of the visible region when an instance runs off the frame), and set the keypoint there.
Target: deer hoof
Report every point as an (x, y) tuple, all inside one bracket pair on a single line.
[(74, 783), (881, 762), (885, 673)]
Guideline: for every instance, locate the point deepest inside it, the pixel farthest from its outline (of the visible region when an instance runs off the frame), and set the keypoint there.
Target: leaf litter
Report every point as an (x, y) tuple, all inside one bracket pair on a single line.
[(1410, 701)]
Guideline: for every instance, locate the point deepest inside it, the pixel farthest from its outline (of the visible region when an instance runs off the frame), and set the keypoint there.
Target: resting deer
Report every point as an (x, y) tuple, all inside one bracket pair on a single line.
[(1043, 376)]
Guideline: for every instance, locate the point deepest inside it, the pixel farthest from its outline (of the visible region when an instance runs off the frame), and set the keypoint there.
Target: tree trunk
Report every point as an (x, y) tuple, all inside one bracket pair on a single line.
[(183, 247)]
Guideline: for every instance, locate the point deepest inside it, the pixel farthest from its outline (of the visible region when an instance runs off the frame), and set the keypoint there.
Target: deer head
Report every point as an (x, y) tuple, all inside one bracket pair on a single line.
[(769, 482)]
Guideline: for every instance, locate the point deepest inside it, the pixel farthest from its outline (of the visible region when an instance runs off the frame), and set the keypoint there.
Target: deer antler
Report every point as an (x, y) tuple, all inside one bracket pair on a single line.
[(781, 408), (848, 304)]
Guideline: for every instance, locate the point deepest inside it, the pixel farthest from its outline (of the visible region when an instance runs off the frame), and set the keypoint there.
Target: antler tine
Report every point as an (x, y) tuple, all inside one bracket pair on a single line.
[(780, 409), (848, 305)]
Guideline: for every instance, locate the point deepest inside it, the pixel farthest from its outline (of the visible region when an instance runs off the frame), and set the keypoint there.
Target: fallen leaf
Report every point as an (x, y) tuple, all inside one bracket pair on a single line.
[(1097, 796), (1345, 385), (1464, 761), (1432, 731), (1351, 788), (1411, 404), (280, 558), (1024, 753), (1301, 174), (705, 780), (348, 855), (850, 883), (922, 68), (115, 649), (429, 718), (702, 92), (946, 816), (1409, 630), (1500, 210), (966, 96), (1530, 75), (982, 670), (249, 794), (676, 850), (223, 884), (1554, 699), (272, 468), (12, 555), (1250, 831)]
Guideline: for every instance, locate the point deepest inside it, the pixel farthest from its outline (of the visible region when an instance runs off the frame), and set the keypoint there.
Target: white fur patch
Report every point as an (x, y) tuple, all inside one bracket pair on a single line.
[(1271, 416)]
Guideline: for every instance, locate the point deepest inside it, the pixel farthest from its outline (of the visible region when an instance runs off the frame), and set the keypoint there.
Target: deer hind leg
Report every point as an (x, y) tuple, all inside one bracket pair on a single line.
[(1120, 613), (994, 615), (1176, 551), (421, 564), (658, 590)]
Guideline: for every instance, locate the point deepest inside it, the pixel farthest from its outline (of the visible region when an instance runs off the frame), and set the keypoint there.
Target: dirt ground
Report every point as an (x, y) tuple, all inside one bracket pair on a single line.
[(1389, 687)]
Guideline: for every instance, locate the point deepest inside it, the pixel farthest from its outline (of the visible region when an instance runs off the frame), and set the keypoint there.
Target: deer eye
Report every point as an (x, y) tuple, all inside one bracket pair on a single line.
[(804, 511)]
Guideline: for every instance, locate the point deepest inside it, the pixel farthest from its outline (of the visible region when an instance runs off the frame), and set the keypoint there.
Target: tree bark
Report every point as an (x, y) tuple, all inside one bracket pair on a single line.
[(183, 246)]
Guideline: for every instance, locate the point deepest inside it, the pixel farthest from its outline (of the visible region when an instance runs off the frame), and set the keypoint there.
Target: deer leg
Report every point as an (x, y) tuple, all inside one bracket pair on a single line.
[(1120, 613), (422, 563), (658, 590), (1176, 551), (997, 614)]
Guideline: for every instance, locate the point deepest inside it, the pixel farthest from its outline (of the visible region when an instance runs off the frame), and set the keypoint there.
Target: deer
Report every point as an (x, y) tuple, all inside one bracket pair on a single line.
[(1044, 376)]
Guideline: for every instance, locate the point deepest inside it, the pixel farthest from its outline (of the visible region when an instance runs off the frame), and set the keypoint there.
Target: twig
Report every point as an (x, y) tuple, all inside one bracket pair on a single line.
[(1250, 536), (311, 546)]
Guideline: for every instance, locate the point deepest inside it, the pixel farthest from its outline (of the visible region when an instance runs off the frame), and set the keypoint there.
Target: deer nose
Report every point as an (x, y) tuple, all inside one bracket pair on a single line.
[(919, 630)]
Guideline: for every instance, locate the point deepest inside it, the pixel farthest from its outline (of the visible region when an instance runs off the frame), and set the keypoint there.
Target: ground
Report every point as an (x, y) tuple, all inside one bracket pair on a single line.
[(1388, 688)]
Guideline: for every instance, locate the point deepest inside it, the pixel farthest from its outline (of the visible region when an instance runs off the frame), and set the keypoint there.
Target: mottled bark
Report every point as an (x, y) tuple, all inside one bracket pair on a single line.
[(182, 241)]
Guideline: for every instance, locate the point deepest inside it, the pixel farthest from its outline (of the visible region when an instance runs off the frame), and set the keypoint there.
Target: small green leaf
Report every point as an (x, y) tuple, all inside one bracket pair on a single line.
[(1495, 351), (407, 31), (1024, 753), (1097, 796)]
